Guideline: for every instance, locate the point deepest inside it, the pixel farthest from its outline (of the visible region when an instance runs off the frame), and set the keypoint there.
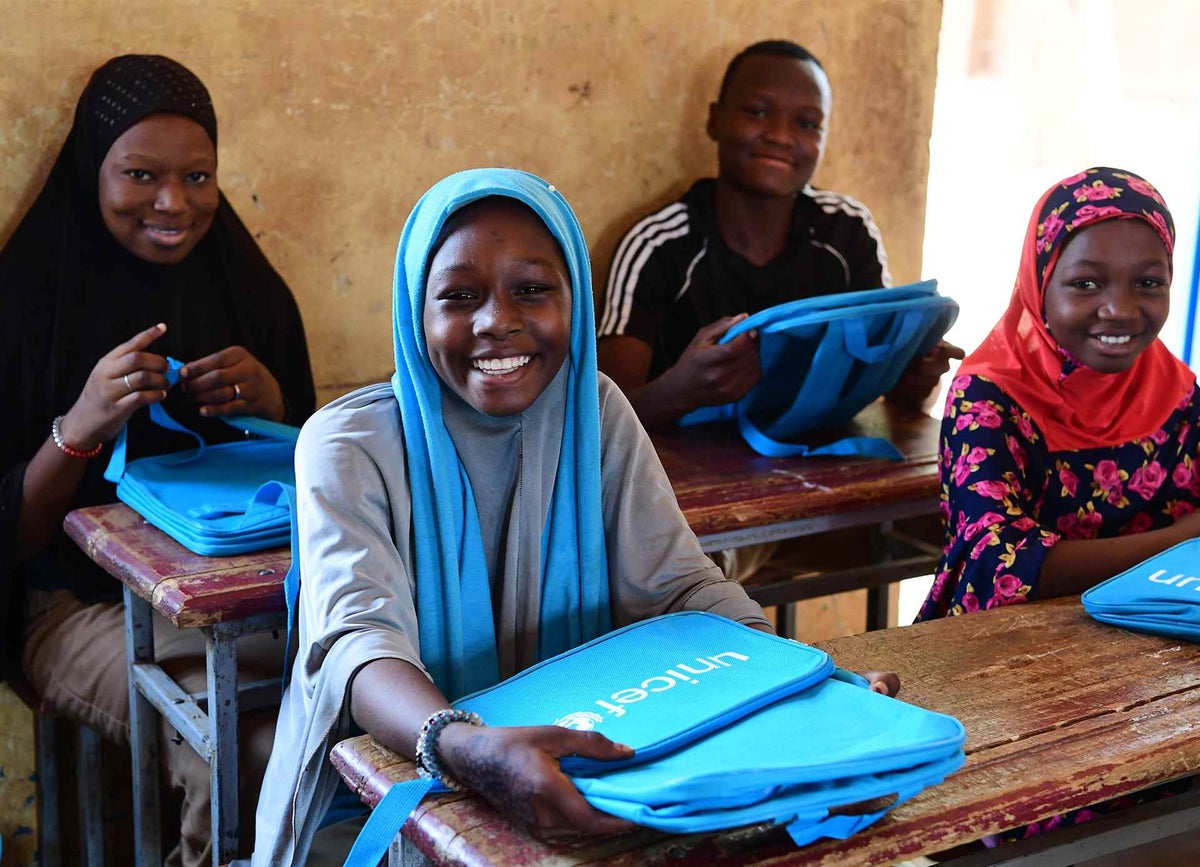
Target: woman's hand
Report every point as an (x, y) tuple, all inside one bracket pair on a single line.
[(516, 770), (123, 381), (231, 382)]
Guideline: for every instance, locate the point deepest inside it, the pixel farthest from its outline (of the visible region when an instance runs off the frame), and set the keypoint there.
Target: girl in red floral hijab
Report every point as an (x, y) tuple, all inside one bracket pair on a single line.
[(1071, 436), (1070, 447)]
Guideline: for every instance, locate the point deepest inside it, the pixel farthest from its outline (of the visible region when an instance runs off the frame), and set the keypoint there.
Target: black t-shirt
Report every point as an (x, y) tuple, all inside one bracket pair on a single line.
[(673, 273)]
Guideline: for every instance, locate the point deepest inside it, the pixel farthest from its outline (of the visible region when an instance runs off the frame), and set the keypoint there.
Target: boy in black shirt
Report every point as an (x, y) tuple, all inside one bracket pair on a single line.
[(756, 236)]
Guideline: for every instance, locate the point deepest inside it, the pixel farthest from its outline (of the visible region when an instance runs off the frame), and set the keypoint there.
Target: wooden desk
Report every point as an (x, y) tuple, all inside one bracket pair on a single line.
[(1061, 713), (224, 597), (732, 496)]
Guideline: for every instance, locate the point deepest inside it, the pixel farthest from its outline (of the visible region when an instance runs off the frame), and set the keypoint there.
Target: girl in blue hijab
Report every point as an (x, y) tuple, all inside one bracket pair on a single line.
[(493, 505)]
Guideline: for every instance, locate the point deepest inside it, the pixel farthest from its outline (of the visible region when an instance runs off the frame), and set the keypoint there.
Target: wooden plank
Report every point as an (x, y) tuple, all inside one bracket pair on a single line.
[(1102, 713), (1015, 671), (723, 486), (186, 588)]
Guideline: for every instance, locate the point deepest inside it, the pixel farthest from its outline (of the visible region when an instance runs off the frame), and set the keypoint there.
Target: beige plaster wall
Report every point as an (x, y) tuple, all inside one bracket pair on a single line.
[(335, 117)]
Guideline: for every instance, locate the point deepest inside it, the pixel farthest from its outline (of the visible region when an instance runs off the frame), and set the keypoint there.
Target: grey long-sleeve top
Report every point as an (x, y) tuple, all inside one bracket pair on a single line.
[(357, 601)]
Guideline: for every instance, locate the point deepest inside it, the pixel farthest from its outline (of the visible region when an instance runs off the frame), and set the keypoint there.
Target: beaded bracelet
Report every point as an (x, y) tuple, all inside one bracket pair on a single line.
[(71, 451), (428, 765)]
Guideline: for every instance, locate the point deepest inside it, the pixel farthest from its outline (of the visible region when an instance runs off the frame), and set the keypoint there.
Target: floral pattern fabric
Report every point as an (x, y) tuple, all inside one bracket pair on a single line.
[(1007, 499)]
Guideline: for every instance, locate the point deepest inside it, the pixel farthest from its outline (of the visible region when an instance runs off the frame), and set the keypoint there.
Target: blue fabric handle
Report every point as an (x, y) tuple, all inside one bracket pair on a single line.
[(842, 827), (385, 822), (858, 342), (115, 470), (865, 447)]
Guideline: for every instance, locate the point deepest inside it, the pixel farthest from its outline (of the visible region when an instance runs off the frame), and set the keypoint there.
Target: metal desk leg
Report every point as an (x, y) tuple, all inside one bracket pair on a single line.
[(221, 651), (143, 737), (91, 810), (49, 832), (878, 608), (878, 597)]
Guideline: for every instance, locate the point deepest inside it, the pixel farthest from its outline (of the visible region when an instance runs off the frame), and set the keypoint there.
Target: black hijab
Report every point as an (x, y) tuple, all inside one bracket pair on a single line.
[(69, 293)]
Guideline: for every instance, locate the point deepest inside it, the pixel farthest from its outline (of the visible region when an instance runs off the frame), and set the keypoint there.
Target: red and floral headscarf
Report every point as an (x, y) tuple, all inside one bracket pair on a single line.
[(1075, 406)]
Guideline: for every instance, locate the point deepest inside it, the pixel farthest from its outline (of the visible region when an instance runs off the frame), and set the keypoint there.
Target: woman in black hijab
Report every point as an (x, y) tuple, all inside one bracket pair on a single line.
[(129, 254)]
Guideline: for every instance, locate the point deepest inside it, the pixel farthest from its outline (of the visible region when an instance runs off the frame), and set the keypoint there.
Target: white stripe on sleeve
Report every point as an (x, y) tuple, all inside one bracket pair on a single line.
[(831, 202), (635, 248)]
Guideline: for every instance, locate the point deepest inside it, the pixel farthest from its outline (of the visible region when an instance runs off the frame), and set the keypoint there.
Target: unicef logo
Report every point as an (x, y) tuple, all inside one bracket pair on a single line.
[(580, 721)]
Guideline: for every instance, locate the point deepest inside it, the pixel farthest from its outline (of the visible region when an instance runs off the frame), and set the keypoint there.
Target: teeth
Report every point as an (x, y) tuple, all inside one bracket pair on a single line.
[(496, 366), (1114, 339)]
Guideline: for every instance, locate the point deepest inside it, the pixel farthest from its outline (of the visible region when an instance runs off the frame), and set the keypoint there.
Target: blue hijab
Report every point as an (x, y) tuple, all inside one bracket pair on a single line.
[(454, 605)]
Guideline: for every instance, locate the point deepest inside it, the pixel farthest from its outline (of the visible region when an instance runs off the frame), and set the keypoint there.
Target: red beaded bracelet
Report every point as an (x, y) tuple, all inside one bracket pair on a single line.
[(69, 451)]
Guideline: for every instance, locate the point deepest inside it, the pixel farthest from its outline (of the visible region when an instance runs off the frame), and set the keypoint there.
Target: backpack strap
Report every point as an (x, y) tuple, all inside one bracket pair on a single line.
[(262, 427), (385, 822), (115, 470), (841, 827), (865, 447)]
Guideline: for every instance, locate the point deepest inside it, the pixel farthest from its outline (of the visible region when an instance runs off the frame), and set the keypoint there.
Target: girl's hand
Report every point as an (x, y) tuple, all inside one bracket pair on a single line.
[(885, 682), (231, 382), (123, 381), (516, 770)]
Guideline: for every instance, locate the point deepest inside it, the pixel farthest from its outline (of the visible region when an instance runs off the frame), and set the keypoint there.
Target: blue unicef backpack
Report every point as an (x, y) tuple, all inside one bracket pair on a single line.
[(713, 710), (214, 500), (1159, 595), (824, 359)]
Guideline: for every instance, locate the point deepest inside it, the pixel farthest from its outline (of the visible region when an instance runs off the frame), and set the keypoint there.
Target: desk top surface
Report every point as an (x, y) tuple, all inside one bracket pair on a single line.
[(188, 589), (724, 486), (1061, 712), (721, 484)]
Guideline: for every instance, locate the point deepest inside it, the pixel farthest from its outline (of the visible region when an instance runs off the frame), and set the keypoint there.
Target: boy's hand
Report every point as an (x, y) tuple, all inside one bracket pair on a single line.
[(709, 373), (922, 376)]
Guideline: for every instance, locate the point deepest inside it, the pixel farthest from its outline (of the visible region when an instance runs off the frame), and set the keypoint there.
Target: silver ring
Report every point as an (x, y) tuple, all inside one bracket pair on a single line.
[(237, 391), (127, 385)]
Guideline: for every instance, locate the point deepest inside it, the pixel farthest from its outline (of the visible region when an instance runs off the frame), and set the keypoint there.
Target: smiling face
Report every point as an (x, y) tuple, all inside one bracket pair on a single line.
[(769, 125), (1108, 296), (158, 188), (497, 310)]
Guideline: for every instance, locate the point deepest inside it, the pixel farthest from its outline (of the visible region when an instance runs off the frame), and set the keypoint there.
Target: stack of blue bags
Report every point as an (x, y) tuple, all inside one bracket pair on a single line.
[(1160, 595), (214, 500), (730, 726)]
